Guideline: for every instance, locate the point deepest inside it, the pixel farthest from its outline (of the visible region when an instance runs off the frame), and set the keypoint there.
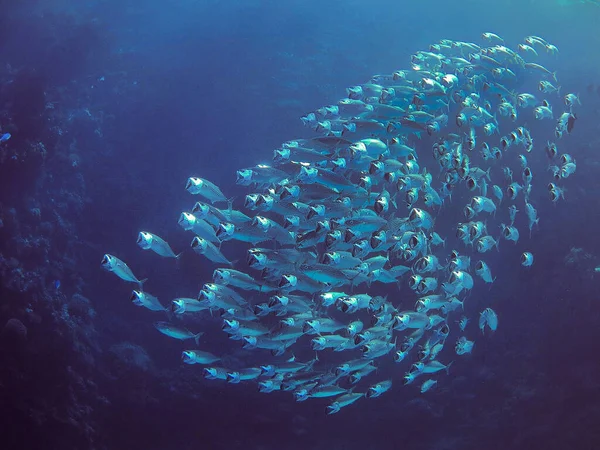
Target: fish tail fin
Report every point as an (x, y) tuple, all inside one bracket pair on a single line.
[(554, 76), (230, 206), (197, 338), (448, 367), (178, 255), (141, 284)]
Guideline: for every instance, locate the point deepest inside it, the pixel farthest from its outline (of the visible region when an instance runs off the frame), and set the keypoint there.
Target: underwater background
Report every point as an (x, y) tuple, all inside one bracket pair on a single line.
[(112, 105)]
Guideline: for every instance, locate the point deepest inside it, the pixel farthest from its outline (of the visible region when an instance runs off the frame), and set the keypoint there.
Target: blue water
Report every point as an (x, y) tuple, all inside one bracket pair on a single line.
[(112, 105)]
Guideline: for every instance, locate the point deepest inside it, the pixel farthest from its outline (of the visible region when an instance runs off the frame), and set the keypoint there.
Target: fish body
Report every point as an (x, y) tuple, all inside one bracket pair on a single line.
[(120, 269), (483, 271), (378, 389), (184, 305), (463, 346), (488, 318), (526, 259), (149, 241), (343, 401), (427, 385), (146, 300), (198, 357), (209, 250), (200, 227), (176, 332), (208, 190)]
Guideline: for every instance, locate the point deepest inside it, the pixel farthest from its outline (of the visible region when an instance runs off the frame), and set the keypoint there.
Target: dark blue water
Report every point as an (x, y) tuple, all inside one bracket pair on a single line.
[(113, 104)]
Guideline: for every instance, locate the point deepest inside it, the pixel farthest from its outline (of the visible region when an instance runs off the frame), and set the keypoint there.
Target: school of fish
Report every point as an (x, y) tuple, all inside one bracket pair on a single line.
[(351, 211)]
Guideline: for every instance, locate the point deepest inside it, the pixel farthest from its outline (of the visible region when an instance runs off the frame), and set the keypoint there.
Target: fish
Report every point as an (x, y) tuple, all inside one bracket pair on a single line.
[(488, 318), (120, 269), (149, 241), (483, 270), (206, 189), (378, 389), (184, 305), (5, 137), (209, 250), (427, 385), (198, 357), (199, 227), (526, 259), (146, 300), (176, 332), (343, 401), (463, 346)]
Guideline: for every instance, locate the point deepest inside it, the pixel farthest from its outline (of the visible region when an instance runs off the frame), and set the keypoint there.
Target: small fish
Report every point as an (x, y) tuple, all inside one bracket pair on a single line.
[(146, 300), (531, 213), (377, 389), (548, 88), (491, 37), (512, 212), (5, 137), (488, 317), (463, 346), (555, 192), (119, 268), (510, 233), (570, 100), (427, 385), (543, 112), (198, 357), (486, 243), (168, 329), (483, 270), (208, 249), (188, 305), (526, 259), (208, 190), (343, 401), (149, 241)]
